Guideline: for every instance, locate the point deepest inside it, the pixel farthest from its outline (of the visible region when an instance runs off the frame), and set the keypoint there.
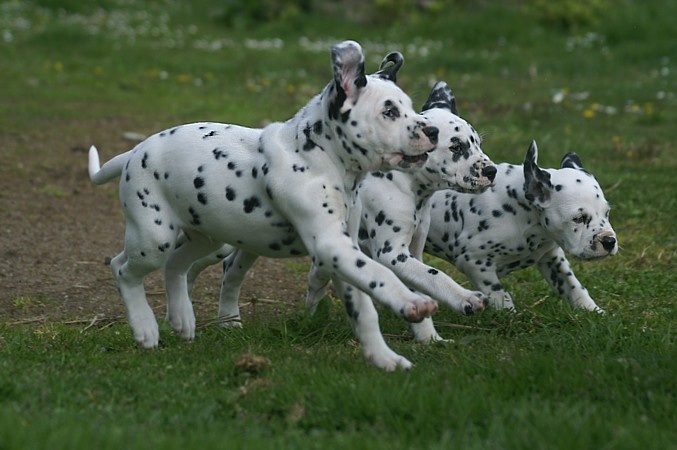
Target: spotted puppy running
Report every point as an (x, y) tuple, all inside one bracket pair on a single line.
[(394, 211), (532, 216), (281, 191)]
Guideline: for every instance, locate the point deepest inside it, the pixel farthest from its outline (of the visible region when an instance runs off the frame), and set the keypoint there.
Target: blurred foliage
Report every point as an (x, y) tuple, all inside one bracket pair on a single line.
[(567, 14), (247, 12)]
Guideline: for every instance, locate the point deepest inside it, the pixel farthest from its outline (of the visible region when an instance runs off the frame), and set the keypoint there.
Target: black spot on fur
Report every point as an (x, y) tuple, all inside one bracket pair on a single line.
[(218, 153), (251, 203), (230, 193), (380, 217)]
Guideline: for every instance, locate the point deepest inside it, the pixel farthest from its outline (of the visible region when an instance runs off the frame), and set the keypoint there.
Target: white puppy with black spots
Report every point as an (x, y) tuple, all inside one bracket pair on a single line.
[(395, 211), (281, 191), (532, 216)]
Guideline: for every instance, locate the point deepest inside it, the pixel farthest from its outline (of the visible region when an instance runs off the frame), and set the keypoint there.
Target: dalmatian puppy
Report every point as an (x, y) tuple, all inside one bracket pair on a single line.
[(279, 192), (395, 212), (532, 216)]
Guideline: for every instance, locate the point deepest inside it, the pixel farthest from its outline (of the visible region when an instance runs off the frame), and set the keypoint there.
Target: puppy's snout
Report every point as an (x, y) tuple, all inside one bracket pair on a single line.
[(608, 242), (489, 172), (431, 133)]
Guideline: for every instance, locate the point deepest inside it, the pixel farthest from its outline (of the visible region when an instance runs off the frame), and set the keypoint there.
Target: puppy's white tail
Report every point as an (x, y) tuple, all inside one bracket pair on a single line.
[(111, 169)]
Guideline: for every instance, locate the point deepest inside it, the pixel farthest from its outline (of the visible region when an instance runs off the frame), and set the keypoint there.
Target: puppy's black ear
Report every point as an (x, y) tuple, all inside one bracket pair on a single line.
[(571, 161), (537, 185), (348, 63), (389, 72), (441, 97)]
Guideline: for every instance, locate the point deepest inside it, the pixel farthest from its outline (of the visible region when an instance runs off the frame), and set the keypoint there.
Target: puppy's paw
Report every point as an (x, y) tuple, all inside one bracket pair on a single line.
[(425, 332), (419, 309), (182, 319), (474, 302), (146, 332), (388, 360)]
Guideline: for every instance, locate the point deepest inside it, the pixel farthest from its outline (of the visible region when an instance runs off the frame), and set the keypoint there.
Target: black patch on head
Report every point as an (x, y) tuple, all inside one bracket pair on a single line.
[(360, 263), (571, 161), (336, 103), (390, 110), (441, 97), (537, 183), (390, 72), (198, 182), (459, 149)]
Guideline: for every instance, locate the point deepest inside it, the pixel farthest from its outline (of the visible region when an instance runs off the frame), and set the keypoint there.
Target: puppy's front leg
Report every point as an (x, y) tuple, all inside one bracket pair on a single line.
[(364, 319), (557, 271)]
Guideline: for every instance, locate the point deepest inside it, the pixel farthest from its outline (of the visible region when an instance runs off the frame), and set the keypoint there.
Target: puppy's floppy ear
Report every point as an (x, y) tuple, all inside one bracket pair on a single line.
[(537, 185), (348, 64), (390, 72), (571, 161), (441, 97)]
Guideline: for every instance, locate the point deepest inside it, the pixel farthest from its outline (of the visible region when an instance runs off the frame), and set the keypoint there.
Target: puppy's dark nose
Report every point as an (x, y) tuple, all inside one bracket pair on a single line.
[(431, 133), (608, 242), (489, 172)]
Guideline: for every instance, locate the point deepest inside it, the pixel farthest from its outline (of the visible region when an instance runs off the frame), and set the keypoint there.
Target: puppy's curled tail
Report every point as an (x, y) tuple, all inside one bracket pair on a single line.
[(110, 170)]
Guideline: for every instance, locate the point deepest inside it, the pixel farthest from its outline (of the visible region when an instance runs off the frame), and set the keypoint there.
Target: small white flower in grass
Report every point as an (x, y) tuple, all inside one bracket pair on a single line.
[(559, 96)]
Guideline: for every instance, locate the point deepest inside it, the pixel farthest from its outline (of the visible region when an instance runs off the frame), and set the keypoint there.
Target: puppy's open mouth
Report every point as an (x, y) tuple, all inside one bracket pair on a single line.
[(414, 159)]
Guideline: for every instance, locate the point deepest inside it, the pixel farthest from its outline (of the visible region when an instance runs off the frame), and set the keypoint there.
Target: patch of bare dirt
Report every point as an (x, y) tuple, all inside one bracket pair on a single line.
[(57, 230)]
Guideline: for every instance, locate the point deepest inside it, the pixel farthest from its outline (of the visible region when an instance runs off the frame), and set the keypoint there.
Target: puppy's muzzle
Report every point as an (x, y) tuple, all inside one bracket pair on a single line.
[(609, 243), (489, 172), (431, 133)]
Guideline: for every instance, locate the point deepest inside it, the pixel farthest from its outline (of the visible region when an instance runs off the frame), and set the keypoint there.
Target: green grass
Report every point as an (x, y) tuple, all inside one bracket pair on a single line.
[(548, 377)]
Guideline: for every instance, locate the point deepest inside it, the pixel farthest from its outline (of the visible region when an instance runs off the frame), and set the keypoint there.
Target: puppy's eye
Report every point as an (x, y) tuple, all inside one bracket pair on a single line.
[(456, 146), (391, 112), (582, 218)]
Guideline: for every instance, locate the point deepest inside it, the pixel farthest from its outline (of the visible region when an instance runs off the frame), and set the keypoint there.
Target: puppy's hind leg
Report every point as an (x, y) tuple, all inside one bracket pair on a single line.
[(318, 284), (236, 266), (179, 306), (143, 254)]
